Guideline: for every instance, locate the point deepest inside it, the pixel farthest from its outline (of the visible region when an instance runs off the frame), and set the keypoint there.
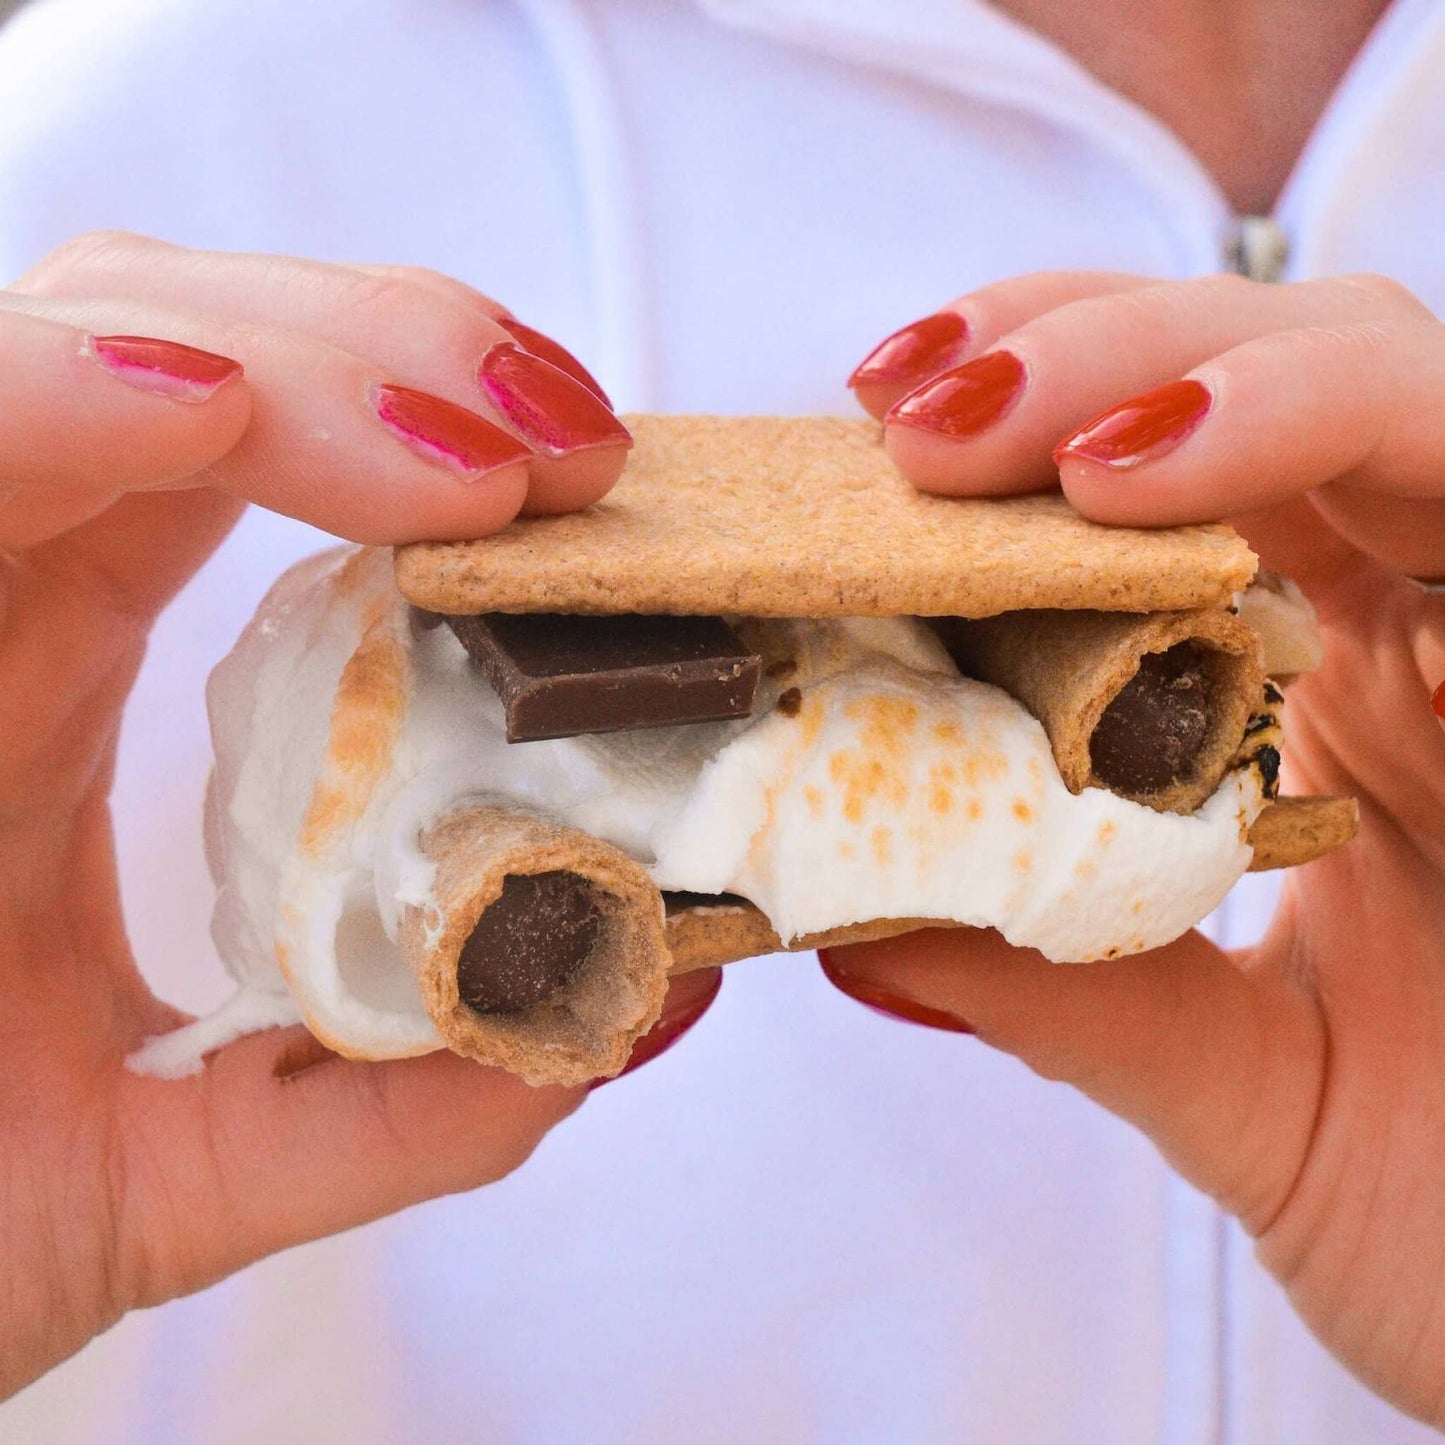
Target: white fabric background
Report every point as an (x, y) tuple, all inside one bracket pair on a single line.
[(806, 1224)]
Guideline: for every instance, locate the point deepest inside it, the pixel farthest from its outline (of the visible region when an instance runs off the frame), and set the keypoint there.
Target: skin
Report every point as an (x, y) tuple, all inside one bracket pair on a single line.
[(1241, 82), (1298, 1082), (120, 1192)]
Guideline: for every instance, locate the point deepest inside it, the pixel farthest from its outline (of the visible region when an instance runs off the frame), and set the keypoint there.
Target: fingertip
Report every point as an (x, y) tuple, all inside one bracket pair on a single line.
[(487, 504), (456, 510), (577, 480), (1109, 468), (852, 977), (907, 358), (931, 462), (946, 435), (878, 398), (945, 467), (483, 472)]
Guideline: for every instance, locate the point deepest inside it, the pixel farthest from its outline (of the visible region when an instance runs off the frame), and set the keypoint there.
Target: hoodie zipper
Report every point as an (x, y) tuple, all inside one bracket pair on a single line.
[(1259, 250)]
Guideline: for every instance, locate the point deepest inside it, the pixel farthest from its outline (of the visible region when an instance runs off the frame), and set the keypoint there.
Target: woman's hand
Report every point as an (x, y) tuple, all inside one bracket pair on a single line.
[(148, 393), (1301, 1082)]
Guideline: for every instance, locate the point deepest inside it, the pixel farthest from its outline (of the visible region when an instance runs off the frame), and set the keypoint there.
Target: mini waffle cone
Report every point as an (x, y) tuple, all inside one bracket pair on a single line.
[(588, 1029), (806, 517), (1067, 667)]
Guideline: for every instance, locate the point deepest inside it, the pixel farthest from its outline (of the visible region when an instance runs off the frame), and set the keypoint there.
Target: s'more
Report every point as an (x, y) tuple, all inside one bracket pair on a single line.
[(764, 696)]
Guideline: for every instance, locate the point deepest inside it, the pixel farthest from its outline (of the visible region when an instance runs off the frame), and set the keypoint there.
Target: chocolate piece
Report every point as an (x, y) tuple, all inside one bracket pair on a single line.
[(528, 944), (559, 676), (790, 703), (1151, 732), (676, 901)]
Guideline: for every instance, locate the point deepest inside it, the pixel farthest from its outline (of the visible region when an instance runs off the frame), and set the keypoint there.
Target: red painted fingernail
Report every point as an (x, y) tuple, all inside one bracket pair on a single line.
[(441, 431), (967, 400), (891, 1005), (915, 352), (1437, 701), (167, 368), (554, 414), (668, 1029), (1141, 430), (540, 344)]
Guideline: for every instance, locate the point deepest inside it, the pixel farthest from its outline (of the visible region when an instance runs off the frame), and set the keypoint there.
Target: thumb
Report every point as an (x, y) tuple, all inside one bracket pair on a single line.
[(1220, 1066)]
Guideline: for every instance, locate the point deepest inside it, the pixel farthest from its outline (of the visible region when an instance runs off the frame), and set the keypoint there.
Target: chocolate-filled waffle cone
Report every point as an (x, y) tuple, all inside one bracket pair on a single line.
[(544, 951), (1152, 706)]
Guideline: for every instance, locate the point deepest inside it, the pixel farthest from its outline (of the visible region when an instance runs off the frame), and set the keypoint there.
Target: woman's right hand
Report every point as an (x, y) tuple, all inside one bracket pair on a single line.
[(1299, 1081), (149, 393)]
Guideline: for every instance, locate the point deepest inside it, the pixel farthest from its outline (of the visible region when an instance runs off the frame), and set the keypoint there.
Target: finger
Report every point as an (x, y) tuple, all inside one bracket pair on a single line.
[(89, 417), (990, 426), (424, 335), (689, 997), (1352, 409), (1221, 1069), (448, 288), (282, 1141), (527, 337), (237, 1163), (331, 439), (967, 326), (74, 613)]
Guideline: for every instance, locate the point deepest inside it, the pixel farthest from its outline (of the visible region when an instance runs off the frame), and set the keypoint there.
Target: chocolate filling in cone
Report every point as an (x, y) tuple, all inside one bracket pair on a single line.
[(528, 945), (544, 951), (1150, 734)]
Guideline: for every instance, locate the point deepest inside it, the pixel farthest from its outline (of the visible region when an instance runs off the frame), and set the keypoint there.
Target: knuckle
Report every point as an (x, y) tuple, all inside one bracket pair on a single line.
[(90, 251), (439, 281), (447, 329), (1225, 285), (1377, 289)]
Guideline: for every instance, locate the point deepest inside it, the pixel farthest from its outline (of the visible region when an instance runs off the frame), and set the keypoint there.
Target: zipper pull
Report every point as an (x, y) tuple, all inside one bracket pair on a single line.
[(1260, 249)]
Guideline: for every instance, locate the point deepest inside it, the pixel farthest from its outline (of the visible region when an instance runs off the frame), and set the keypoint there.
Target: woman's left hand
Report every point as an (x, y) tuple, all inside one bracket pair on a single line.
[(1300, 1082)]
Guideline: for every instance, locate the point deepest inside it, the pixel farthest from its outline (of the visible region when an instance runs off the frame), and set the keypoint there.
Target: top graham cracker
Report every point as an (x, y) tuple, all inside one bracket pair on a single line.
[(806, 517)]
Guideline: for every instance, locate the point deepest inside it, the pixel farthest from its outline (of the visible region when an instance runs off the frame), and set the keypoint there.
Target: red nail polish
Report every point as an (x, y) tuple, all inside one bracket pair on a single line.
[(167, 368), (668, 1029), (554, 414), (441, 431), (915, 352), (967, 400), (1437, 701), (889, 1004), (540, 344), (1142, 429)]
